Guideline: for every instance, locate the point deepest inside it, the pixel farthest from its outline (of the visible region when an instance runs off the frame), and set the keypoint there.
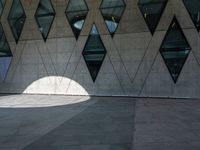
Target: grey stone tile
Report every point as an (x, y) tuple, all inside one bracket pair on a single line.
[(166, 146), (107, 122)]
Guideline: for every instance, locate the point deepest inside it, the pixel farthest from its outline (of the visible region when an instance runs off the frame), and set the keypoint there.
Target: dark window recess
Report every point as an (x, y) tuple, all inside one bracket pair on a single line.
[(175, 49), (44, 16), (112, 12), (5, 54), (2, 4), (193, 7), (94, 52), (152, 11), (76, 14), (16, 19)]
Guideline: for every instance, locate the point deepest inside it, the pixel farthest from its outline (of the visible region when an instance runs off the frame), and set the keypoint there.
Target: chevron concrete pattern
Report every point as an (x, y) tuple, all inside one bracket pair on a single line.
[(132, 67)]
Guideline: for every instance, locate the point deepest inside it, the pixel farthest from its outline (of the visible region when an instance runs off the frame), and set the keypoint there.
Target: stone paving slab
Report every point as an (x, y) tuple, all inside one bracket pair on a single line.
[(167, 124), (47, 122)]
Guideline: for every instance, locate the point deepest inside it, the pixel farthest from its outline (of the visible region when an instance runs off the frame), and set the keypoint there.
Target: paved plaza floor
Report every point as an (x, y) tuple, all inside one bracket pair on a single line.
[(44, 122)]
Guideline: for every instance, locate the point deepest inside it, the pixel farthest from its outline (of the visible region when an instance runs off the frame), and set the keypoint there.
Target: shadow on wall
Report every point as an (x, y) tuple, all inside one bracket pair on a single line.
[(64, 122)]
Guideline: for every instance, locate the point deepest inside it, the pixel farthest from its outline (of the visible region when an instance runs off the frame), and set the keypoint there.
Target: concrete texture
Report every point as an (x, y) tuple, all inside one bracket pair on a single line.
[(132, 67), (39, 122)]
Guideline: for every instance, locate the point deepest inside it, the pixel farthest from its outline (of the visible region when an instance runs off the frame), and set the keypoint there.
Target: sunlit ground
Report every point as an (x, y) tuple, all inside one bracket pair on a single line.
[(35, 101)]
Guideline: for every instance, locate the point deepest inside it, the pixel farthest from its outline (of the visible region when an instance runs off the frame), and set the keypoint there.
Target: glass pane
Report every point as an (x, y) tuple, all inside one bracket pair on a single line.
[(112, 11), (76, 14), (193, 7), (16, 19), (4, 66), (45, 7), (152, 11), (175, 49), (76, 5), (112, 3), (94, 52), (4, 47), (45, 15), (5, 54), (2, 4)]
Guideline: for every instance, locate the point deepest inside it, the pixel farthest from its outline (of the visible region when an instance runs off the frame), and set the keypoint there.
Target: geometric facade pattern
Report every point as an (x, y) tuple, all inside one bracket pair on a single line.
[(132, 67), (16, 19), (76, 13), (94, 52), (193, 7), (152, 11), (44, 16), (175, 49), (112, 12), (2, 4), (5, 54)]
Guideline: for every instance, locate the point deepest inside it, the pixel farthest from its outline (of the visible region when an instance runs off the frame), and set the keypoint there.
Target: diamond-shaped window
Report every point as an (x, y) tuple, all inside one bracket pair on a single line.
[(16, 19), (193, 7), (94, 52), (152, 11), (44, 16), (112, 11), (175, 49), (76, 14), (2, 4), (5, 54)]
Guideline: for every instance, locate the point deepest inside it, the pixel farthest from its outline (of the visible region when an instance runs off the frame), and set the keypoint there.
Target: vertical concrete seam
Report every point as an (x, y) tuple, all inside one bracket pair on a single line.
[(121, 60), (148, 73), (193, 53), (71, 78), (138, 68), (19, 59), (43, 63), (116, 75), (72, 52), (51, 58)]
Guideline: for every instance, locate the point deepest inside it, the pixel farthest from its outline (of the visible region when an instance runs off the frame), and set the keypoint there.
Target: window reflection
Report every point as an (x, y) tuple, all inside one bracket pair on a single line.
[(175, 49), (112, 25), (44, 16), (16, 19), (79, 24), (5, 54), (112, 11), (2, 4), (193, 7), (94, 52), (76, 13), (152, 11)]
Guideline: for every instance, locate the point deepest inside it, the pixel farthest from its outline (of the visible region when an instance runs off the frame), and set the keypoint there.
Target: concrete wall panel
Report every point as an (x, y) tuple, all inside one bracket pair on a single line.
[(133, 65)]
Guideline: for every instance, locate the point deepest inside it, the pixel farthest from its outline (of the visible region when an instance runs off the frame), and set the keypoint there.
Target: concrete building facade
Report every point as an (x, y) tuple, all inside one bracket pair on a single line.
[(133, 64)]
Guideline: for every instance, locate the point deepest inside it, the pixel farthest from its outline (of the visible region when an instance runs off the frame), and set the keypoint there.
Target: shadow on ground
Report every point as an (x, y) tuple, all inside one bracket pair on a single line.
[(81, 123), (42, 122)]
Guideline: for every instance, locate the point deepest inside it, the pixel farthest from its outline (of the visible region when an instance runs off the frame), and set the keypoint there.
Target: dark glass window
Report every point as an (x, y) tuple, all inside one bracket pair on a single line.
[(76, 13), (94, 52), (152, 11), (5, 54), (44, 16), (112, 11), (175, 49), (16, 19), (2, 4), (193, 7)]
